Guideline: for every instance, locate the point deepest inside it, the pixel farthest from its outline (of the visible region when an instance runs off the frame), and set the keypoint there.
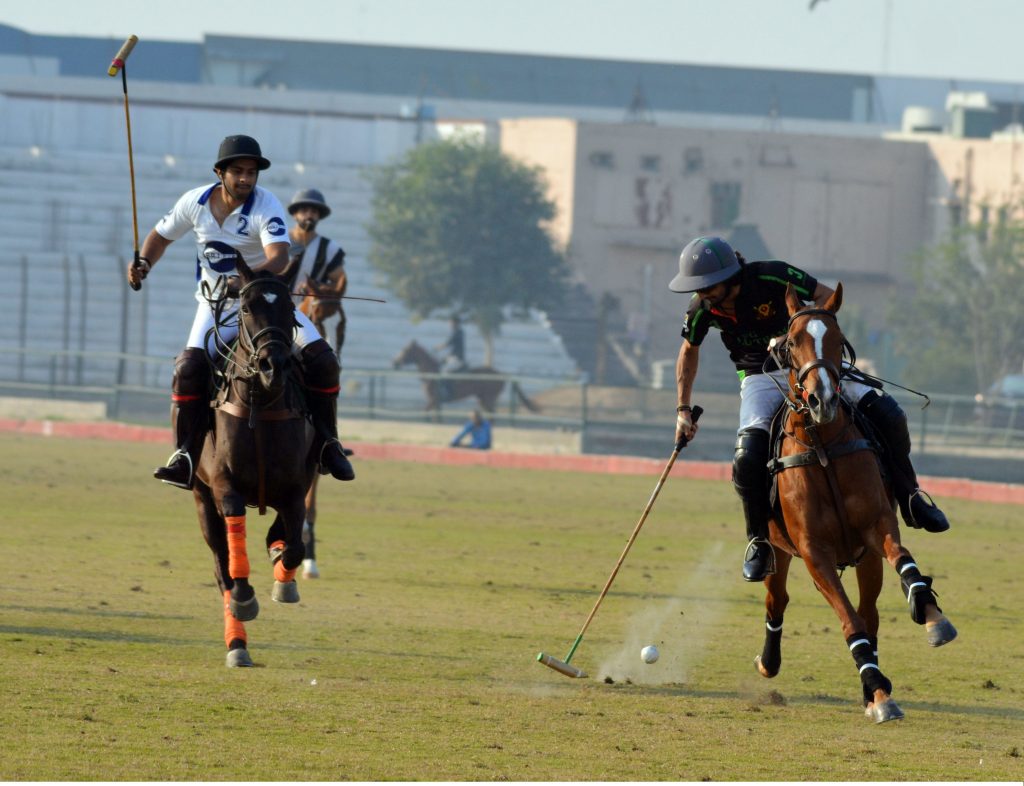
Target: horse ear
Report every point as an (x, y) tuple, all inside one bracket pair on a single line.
[(836, 300), (244, 271), (793, 303)]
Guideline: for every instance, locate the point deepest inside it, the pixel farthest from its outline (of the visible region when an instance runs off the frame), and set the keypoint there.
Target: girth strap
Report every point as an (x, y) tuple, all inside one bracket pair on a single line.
[(811, 457), (242, 411)]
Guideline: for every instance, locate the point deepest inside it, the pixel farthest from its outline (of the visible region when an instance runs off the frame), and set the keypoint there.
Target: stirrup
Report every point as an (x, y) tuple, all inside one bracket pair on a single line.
[(187, 484), (751, 553)]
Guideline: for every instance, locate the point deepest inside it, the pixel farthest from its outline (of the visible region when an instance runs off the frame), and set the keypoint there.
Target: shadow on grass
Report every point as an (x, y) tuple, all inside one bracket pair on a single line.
[(94, 612)]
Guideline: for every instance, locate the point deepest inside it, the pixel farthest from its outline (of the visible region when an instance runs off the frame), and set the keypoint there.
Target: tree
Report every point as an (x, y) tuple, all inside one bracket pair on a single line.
[(461, 226), (964, 326)]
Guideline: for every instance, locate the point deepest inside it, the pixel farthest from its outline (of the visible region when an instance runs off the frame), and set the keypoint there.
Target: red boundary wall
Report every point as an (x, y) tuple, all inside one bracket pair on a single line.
[(981, 491)]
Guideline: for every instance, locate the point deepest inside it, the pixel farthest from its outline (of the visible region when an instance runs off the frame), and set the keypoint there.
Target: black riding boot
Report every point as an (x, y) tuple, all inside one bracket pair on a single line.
[(321, 371), (890, 424), (750, 479), (190, 417)]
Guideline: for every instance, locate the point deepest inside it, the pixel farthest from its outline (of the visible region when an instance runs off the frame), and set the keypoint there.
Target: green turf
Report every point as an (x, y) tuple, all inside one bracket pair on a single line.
[(413, 657)]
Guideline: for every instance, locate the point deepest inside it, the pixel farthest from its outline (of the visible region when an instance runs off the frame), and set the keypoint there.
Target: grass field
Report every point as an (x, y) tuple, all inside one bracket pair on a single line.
[(413, 657)]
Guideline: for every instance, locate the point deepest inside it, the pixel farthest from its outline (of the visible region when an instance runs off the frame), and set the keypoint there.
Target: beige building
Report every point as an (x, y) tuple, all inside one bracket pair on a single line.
[(629, 197)]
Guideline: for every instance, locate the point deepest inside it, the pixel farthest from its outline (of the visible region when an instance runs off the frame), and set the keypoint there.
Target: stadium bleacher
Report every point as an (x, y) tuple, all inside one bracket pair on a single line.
[(66, 220)]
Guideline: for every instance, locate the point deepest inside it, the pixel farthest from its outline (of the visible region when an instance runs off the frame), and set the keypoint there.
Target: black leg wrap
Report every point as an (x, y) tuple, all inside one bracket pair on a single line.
[(865, 656), (771, 653), (917, 588)]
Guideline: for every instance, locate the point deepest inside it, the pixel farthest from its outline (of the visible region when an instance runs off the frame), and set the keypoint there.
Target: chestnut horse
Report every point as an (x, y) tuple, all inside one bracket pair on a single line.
[(440, 391), (257, 454), (322, 303), (837, 509)]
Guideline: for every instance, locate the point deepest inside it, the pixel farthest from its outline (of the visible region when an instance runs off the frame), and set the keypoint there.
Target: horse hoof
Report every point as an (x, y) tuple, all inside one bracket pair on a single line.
[(246, 610), (886, 711), (238, 658), (285, 592), (941, 632), (762, 669), (309, 569)]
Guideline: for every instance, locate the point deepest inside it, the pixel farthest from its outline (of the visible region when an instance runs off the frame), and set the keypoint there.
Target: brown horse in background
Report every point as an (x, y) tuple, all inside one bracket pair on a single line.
[(322, 303), (454, 388), (257, 454), (836, 508)]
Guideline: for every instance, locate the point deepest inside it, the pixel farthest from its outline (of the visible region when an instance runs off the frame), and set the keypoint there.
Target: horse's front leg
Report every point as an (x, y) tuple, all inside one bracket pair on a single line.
[(917, 589), (288, 551), (776, 599), (877, 688), (243, 603), (215, 534)]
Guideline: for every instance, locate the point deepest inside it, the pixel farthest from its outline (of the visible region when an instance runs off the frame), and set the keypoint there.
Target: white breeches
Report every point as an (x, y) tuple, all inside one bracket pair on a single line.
[(760, 398), (202, 327)]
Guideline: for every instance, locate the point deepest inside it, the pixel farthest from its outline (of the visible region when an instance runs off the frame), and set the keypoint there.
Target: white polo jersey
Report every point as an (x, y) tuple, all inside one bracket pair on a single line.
[(256, 223)]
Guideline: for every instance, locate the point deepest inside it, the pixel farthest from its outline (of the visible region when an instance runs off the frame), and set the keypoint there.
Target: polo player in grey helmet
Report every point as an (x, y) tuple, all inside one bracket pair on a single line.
[(745, 302)]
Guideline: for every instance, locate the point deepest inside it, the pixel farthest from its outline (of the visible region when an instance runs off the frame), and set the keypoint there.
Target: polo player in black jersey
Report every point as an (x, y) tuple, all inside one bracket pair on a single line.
[(745, 302)]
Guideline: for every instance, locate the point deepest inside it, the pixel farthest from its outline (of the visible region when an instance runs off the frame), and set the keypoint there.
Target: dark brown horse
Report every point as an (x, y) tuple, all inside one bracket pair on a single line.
[(258, 454), (836, 508), (441, 391)]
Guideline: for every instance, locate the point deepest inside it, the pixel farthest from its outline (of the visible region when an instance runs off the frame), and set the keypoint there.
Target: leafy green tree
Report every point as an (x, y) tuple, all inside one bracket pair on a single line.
[(460, 226), (963, 327)]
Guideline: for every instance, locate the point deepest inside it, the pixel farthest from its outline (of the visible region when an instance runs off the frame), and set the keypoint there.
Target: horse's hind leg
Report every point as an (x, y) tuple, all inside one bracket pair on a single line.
[(309, 567), (777, 598)]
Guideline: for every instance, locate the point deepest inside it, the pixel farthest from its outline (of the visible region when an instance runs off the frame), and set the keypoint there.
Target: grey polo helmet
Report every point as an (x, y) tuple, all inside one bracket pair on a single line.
[(240, 146), (309, 196), (704, 262)]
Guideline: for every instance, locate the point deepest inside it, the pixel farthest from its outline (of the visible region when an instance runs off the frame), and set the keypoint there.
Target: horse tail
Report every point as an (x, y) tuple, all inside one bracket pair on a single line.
[(526, 401)]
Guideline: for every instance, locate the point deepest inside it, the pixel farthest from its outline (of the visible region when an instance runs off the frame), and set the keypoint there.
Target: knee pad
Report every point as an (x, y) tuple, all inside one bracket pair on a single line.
[(320, 366), (750, 461), (191, 373)]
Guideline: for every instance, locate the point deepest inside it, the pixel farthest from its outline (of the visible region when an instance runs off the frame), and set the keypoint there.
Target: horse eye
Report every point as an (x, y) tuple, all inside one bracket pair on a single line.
[(245, 309)]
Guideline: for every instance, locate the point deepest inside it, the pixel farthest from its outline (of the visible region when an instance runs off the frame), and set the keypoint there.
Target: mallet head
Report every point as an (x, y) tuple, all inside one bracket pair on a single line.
[(560, 666), (122, 54)]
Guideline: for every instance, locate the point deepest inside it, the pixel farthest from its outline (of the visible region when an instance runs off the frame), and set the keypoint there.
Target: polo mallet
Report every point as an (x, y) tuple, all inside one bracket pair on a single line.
[(118, 64), (563, 666)]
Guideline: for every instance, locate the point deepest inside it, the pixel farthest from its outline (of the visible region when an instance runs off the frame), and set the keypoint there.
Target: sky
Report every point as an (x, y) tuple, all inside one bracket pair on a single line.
[(949, 39)]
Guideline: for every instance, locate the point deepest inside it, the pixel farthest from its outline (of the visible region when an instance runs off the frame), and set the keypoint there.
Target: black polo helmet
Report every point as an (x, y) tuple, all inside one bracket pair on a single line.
[(703, 263), (309, 196), (240, 146)]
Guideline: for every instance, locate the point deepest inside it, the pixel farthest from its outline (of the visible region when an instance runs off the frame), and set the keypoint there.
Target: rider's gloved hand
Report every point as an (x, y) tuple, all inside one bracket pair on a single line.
[(685, 427), (137, 272)]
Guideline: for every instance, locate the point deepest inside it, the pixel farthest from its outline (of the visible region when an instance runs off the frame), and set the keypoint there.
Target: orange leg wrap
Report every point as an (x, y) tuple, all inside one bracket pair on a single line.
[(238, 559), (233, 629), (280, 573)]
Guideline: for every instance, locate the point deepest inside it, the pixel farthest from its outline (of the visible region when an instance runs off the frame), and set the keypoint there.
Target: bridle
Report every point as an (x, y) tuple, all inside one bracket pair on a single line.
[(780, 353), (270, 335)]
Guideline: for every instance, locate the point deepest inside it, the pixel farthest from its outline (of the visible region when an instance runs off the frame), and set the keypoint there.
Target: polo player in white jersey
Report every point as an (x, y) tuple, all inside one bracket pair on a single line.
[(230, 218)]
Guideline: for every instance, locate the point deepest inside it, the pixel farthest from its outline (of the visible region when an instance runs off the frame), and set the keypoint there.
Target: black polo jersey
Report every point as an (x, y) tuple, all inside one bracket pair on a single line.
[(761, 313)]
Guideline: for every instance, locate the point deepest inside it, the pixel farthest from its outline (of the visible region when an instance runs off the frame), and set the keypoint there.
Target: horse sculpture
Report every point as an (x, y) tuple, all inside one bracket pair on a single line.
[(836, 508), (440, 391), (258, 453)]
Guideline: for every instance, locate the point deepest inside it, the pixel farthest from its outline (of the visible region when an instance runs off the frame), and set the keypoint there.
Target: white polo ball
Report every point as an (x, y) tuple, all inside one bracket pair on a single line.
[(649, 654)]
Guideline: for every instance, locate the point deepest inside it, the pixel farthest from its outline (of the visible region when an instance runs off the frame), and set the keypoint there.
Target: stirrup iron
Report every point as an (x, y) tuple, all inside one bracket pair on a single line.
[(191, 470)]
